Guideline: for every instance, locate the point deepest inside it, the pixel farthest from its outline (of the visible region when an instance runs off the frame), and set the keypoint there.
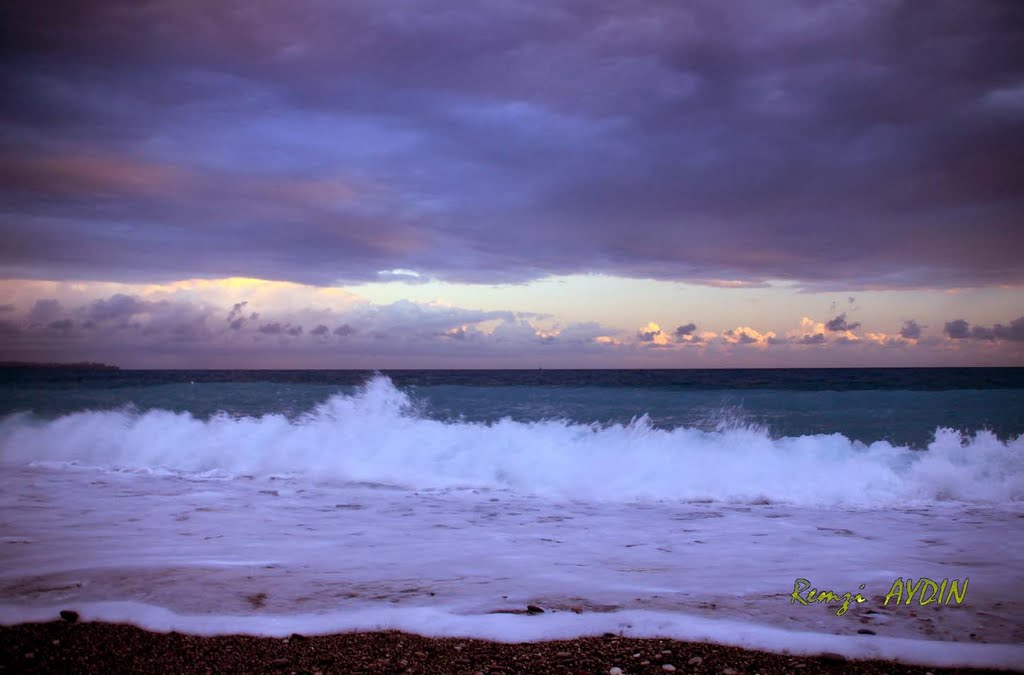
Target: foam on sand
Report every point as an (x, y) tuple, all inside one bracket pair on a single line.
[(431, 622)]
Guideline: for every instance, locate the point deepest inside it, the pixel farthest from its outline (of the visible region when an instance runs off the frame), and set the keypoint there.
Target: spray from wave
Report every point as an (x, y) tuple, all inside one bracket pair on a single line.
[(379, 435)]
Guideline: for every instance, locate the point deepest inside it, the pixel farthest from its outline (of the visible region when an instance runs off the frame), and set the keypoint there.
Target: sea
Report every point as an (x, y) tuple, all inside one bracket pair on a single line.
[(526, 505)]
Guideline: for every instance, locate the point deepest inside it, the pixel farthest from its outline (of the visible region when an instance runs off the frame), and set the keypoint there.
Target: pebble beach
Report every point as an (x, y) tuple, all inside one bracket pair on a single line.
[(62, 646)]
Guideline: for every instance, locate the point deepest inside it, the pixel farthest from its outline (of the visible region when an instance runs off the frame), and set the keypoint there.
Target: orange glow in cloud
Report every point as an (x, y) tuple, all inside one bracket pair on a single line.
[(887, 339), (810, 328), (655, 333), (747, 335)]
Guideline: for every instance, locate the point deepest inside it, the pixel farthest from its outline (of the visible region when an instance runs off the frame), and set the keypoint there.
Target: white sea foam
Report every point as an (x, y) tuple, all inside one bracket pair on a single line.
[(275, 555), (511, 628), (377, 435)]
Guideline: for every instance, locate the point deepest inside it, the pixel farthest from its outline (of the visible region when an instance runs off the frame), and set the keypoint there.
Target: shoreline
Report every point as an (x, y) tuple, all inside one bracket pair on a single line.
[(60, 646)]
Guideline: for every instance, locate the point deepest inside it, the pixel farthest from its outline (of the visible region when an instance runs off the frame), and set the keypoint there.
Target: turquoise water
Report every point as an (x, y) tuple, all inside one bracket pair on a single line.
[(901, 406)]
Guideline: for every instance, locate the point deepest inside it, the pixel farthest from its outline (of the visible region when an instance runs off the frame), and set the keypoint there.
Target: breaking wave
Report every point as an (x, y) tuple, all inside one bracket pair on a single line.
[(378, 435)]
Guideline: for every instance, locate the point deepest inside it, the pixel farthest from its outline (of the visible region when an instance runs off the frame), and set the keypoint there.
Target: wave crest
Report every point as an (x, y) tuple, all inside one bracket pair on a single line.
[(379, 435)]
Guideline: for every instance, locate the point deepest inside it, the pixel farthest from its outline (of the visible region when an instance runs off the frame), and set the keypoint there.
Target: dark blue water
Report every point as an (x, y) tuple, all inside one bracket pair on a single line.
[(902, 406)]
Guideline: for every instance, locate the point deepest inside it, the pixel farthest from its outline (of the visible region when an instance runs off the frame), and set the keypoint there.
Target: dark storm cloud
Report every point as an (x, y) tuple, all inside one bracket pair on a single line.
[(959, 329), (815, 339), (983, 333), (319, 330), (910, 330), (236, 319), (1013, 332), (271, 328), (685, 329), (344, 330), (839, 324), (372, 139), (236, 311), (277, 328)]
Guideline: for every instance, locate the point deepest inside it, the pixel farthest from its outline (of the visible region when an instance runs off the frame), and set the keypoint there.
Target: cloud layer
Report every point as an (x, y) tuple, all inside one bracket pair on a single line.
[(838, 145), (248, 323)]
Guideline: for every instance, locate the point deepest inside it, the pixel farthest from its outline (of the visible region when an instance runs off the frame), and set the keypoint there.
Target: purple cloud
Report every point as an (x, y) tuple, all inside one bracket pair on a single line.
[(135, 331), (278, 328), (127, 327), (959, 329), (815, 339), (44, 310), (510, 141), (1014, 332), (237, 319), (910, 330), (840, 324)]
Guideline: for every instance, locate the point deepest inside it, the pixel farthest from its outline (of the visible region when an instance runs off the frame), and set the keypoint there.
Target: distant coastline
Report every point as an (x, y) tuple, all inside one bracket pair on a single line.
[(80, 365)]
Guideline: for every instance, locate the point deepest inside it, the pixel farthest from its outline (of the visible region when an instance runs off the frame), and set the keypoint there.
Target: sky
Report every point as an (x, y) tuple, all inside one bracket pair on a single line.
[(512, 184)]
